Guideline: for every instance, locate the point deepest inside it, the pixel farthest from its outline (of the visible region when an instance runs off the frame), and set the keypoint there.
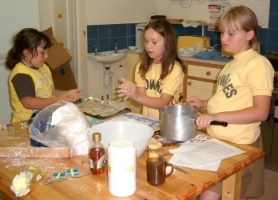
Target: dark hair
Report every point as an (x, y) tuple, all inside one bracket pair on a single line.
[(29, 39), (165, 29)]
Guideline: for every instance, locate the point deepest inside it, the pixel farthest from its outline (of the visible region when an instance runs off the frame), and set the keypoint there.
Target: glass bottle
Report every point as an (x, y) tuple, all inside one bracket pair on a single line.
[(153, 149), (97, 155)]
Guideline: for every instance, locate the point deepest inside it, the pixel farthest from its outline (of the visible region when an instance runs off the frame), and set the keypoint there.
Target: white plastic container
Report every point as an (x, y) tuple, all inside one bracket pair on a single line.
[(121, 168)]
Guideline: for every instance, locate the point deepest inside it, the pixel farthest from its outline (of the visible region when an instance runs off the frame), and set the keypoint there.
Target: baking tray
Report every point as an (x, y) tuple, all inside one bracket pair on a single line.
[(101, 108)]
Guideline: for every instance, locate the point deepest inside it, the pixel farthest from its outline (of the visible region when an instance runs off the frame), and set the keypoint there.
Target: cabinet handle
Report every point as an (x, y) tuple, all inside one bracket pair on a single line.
[(189, 83), (208, 73)]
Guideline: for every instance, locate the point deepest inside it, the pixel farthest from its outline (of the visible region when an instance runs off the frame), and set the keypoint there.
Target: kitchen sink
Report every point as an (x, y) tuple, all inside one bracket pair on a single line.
[(108, 57)]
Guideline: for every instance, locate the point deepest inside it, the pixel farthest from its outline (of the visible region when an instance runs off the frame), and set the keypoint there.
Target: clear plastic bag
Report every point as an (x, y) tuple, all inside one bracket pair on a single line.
[(60, 125)]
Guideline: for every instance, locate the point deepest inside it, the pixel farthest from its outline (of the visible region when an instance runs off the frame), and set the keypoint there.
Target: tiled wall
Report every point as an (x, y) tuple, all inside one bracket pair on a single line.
[(105, 36)]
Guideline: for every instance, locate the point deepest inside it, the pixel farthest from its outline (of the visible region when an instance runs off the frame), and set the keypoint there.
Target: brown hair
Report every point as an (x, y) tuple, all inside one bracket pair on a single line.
[(29, 39), (240, 18), (165, 29)]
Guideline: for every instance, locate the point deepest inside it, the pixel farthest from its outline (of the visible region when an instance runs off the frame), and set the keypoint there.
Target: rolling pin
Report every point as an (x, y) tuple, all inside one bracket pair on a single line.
[(36, 152)]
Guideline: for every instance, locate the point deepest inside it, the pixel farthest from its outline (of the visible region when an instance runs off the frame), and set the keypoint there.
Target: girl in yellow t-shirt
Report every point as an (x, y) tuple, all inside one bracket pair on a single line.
[(159, 76), (242, 96), (30, 82)]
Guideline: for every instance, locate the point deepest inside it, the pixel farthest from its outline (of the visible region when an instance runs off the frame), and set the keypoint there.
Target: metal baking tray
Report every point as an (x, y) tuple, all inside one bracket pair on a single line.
[(101, 108)]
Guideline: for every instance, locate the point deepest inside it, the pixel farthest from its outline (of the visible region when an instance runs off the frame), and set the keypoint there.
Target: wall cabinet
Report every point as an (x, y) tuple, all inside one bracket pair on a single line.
[(200, 79)]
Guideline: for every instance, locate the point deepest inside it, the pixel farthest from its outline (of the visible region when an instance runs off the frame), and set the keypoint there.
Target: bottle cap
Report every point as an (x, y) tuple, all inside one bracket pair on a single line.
[(153, 145), (96, 137)]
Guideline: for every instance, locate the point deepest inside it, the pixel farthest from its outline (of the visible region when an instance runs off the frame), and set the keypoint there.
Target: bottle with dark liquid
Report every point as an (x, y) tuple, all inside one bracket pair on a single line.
[(97, 155)]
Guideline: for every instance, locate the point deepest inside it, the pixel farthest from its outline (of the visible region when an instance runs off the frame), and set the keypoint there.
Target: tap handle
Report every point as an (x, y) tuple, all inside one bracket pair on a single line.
[(116, 47), (95, 49)]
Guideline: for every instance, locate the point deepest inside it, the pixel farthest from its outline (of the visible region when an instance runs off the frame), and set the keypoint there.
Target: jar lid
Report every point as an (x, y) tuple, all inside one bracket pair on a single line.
[(153, 145), (122, 146), (96, 137)]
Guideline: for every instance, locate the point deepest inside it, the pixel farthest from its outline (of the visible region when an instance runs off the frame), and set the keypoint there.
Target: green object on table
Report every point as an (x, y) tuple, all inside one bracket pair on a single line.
[(94, 121)]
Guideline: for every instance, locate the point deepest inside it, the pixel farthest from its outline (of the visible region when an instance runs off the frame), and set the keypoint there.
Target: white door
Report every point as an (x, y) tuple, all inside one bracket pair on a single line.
[(15, 15)]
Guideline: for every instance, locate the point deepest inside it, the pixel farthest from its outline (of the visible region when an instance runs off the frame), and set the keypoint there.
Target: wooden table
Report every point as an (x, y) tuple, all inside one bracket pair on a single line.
[(177, 186)]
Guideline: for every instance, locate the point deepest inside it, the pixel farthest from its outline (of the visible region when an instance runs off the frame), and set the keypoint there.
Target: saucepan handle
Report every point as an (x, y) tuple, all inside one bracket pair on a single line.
[(219, 123)]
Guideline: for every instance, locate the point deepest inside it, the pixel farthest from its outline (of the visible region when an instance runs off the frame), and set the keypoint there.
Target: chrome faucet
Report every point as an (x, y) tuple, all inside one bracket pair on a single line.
[(116, 48), (96, 52)]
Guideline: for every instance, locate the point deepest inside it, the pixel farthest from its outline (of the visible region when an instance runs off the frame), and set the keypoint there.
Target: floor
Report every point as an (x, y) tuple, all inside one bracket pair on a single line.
[(271, 186)]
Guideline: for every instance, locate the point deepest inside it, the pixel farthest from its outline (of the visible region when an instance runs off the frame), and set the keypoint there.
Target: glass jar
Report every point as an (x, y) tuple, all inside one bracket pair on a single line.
[(153, 149)]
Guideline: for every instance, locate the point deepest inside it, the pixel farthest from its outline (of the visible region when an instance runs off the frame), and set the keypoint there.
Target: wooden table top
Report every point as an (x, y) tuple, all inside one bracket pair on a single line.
[(177, 186)]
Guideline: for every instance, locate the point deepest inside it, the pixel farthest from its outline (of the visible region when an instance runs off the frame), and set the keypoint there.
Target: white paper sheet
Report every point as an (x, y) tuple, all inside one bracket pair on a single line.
[(203, 152)]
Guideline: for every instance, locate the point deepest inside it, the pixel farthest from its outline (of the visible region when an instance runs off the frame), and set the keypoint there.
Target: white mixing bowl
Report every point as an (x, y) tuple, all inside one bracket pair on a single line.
[(136, 132)]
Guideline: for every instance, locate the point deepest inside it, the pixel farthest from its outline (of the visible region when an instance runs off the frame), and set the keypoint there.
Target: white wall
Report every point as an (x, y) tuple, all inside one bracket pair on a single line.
[(15, 15), (120, 11), (46, 14), (197, 11)]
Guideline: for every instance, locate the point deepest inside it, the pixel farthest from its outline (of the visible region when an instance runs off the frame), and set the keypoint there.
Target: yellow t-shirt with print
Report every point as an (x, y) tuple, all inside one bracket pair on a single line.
[(44, 88), (171, 84), (248, 74)]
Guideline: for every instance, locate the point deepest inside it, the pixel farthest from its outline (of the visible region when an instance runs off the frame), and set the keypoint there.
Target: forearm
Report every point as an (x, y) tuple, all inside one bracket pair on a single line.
[(60, 92), (33, 103), (204, 104), (153, 102), (245, 116), (256, 113)]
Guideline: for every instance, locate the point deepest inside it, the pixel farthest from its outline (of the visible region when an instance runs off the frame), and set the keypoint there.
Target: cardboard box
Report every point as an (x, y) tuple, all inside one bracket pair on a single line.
[(57, 55), (59, 63), (63, 78)]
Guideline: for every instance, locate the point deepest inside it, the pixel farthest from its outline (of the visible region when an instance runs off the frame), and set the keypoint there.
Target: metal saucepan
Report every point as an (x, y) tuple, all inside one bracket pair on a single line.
[(177, 122)]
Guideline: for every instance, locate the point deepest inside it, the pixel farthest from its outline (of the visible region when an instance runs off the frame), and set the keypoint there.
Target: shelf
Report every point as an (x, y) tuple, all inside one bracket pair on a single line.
[(175, 21)]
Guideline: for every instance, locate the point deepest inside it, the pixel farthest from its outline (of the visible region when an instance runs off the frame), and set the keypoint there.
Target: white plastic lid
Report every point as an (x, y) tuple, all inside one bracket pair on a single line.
[(121, 145)]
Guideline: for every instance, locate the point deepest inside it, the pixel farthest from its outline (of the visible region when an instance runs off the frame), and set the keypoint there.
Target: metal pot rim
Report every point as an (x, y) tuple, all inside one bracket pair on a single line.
[(165, 110)]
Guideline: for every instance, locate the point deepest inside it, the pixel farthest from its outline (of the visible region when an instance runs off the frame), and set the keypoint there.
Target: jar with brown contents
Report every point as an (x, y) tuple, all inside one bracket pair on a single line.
[(97, 155)]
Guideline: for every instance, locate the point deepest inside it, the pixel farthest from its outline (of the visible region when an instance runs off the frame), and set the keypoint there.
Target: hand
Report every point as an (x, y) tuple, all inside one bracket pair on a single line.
[(127, 89), (204, 120), (72, 95), (194, 102)]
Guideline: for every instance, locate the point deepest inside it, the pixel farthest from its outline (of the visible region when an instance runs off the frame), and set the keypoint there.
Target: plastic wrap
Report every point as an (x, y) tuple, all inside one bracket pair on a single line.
[(24, 181), (59, 125)]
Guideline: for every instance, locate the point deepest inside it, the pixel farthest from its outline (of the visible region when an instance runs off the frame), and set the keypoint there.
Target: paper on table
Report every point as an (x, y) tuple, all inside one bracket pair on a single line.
[(178, 161), (202, 151)]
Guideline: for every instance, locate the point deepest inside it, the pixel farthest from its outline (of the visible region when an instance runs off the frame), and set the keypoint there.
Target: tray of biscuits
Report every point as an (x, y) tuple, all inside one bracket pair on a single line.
[(100, 108)]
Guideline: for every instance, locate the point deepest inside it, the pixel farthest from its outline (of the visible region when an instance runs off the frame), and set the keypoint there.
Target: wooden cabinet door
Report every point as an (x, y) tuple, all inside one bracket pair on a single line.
[(200, 89), (200, 79), (129, 69)]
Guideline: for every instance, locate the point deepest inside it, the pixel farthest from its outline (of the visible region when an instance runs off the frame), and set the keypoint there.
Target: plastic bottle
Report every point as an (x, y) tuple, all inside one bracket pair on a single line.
[(153, 149), (121, 168), (97, 155)]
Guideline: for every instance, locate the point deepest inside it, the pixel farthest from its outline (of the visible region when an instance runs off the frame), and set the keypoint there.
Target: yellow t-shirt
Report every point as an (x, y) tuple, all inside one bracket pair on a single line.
[(248, 74), (44, 88), (154, 87)]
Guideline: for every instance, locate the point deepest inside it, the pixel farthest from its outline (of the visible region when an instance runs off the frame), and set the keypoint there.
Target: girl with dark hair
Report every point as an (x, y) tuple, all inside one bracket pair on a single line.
[(159, 75), (30, 82)]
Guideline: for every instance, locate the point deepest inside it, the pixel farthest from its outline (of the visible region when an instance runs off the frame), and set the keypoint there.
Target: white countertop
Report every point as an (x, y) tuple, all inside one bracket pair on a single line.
[(211, 61), (186, 58)]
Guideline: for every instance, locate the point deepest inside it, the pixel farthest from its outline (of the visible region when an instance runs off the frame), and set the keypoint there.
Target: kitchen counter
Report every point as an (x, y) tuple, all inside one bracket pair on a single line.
[(177, 186), (186, 58), (210, 61)]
